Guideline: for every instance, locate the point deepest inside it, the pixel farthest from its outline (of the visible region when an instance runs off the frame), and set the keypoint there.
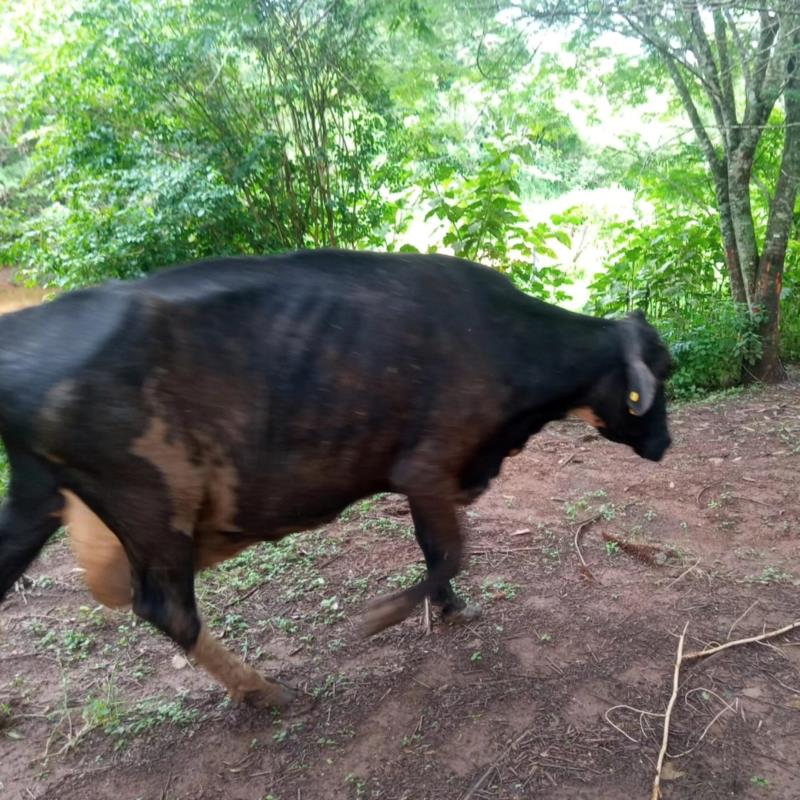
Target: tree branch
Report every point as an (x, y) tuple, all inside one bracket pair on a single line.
[(705, 57), (726, 79), (700, 131), (782, 207)]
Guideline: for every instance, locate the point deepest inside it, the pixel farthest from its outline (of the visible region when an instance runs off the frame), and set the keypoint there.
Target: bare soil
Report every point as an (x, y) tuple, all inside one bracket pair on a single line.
[(543, 697)]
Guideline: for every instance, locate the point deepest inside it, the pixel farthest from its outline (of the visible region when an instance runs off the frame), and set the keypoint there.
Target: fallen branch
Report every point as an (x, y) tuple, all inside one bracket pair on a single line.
[(769, 635), (656, 793)]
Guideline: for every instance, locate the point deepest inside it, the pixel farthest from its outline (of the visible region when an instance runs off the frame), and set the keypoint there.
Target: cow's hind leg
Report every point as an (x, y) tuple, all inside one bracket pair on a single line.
[(29, 516), (162, 567), (163, 594), (453, 608)]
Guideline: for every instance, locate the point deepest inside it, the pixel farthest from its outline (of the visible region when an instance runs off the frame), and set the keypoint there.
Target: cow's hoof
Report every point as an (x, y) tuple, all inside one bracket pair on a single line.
[(385, 612), (461, 616), (271, 694)]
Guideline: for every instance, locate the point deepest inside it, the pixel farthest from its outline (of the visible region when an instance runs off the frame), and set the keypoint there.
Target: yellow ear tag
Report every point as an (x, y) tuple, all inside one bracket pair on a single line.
[(634, 396)]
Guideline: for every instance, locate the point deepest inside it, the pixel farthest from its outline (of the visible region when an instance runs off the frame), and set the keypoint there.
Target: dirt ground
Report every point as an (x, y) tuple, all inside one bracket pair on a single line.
[(553, 693)]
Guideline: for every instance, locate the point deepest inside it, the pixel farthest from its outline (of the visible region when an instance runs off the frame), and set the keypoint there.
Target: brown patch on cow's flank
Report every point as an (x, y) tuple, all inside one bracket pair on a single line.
[(587, 415), (171, 457), (99, 552)]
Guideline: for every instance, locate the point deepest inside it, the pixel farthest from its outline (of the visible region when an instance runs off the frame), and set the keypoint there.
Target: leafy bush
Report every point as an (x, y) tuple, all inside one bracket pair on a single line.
[(790, 305), (709, 350), (483, 220), (674, 271)]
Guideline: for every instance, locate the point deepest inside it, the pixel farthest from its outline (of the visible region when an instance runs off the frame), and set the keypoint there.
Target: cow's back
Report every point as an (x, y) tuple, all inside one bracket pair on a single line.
[(303, 376)]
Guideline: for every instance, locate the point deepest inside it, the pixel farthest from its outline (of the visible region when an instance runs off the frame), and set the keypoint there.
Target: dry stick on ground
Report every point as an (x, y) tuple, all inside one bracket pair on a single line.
[(585, 571), (741, 617), (665, 738), (769, 635), (703, 491), (475, 788), (680, 659), (683, 575)]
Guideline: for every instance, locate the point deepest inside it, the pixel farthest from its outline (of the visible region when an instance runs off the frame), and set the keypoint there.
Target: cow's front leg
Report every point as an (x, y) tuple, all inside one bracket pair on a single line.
[(453, 608), (435, 514)]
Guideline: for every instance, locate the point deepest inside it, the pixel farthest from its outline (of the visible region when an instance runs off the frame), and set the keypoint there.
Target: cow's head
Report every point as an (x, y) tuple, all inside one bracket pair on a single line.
[(627, 404)]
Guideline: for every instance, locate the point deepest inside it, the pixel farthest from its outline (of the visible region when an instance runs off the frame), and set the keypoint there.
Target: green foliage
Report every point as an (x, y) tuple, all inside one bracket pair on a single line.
[(711, 349), (790, 301), (673, 270), (166, 132), (484, 221)]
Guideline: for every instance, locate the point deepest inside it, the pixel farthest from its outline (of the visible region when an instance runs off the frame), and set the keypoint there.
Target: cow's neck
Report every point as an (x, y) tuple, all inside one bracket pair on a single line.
[(559, 359)]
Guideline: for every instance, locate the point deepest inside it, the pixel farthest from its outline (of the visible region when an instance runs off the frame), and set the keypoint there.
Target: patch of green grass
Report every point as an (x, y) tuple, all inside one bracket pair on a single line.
[(284, 624), (288, 565), (387, 525), (71, 644), (770, 575), (408, 576), (4, 470), (230, 625), (334, 682), (361, 508), (583, 503), (330, 611), (356, 587), (151, 713), (612, 549), (498, 589), (358, 785)]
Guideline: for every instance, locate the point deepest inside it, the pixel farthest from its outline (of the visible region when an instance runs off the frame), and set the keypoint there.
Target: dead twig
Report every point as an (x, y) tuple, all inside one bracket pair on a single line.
[(242, 597), (682, 575), (503, 551), (740, 618), (703, 491), (640, 711), (656, 793), (475, 788), (769, 635), (725, 707), (750, 500), (585, 571)]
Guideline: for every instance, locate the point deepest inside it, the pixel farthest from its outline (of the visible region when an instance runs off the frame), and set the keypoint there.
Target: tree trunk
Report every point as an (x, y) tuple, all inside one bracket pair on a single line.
[(767, 295), (740, 168), (768, 368)]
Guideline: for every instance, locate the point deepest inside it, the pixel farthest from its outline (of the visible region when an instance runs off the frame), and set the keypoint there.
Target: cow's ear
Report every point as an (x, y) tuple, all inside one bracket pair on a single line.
[(642, 383), (641, 387)]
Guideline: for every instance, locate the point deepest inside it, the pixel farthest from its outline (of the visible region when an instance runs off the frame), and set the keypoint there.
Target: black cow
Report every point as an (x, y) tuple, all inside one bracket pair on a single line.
[(218, 404)]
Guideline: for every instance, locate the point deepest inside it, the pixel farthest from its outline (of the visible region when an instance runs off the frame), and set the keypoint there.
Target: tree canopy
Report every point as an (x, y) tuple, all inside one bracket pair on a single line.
[(136, 134)]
